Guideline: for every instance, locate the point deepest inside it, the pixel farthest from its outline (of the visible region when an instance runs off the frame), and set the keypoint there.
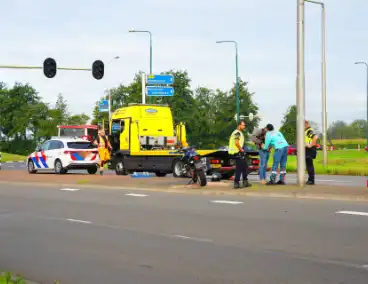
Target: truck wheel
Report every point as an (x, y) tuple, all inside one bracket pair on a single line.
[(178, 168), (161, 174), (120, 170)]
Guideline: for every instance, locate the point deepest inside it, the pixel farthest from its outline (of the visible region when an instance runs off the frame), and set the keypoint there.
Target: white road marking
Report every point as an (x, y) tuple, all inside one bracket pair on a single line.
[(79, 221), (10, 166), (353, 213), (70, 189), (227, 202), (325, 180), (193, 239), (365, 266), (136, 194)]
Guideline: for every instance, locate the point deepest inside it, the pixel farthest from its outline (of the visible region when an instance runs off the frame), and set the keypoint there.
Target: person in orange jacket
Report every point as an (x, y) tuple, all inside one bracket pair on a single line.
[(104, 148)]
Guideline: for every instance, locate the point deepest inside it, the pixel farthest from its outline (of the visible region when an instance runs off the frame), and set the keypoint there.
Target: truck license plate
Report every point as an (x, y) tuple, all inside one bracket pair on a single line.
[(215, 166)]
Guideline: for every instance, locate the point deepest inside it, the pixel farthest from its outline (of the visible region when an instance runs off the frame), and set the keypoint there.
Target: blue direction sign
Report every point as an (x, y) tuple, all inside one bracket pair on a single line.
[(103, 106), (160, 91), (160, 79)]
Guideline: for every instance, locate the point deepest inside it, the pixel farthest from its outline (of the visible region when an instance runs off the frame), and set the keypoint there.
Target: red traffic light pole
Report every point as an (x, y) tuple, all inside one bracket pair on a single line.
[(49, 68), (40, 67)]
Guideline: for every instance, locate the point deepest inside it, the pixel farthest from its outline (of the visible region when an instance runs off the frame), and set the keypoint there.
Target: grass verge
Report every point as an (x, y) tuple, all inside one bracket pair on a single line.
[(12, 158), (340, 162)]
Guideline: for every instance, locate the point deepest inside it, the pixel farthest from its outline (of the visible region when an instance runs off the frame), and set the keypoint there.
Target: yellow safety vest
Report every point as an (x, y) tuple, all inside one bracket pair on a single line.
[(237, 134), (309, 134), (101, 142)]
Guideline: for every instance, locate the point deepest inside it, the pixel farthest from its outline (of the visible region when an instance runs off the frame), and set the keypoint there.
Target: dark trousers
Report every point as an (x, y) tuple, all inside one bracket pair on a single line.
[(241, 169), (310, 168)]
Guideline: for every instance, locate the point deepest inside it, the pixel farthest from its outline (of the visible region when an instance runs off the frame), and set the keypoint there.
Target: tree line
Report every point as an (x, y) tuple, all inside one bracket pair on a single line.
[(209, 114), (25, 120), (336, 130)]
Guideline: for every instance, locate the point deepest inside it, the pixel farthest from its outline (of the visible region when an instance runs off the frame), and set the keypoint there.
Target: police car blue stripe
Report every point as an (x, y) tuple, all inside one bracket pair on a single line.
[(78, 157), (36, 163), (43, 162)]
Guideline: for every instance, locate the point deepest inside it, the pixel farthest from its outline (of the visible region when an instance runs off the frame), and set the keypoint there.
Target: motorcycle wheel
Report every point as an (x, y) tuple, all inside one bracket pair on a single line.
[(201, 178)]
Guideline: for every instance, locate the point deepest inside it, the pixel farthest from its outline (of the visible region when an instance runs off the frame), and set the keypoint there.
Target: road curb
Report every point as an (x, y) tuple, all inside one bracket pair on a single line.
[(208, 192)]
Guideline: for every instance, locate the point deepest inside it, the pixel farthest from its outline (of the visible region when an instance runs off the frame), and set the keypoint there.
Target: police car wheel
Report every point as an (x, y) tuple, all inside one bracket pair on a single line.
[(92, 171), (31, 167), (59, 168)]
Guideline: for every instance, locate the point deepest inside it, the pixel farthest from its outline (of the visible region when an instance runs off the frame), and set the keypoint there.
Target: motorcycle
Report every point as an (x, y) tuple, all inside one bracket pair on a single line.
[(190, 165)]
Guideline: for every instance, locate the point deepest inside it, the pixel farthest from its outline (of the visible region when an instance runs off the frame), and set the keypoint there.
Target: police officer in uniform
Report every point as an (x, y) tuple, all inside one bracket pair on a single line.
[(236, 144), (310, 151)]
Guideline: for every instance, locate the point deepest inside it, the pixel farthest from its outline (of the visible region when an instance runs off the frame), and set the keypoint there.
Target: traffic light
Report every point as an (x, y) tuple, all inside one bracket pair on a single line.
[(49, 67), (98, 69)]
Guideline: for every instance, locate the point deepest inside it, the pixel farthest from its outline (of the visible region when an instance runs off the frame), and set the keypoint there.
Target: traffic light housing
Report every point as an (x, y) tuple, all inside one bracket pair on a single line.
[(98, 69), (49, 67)]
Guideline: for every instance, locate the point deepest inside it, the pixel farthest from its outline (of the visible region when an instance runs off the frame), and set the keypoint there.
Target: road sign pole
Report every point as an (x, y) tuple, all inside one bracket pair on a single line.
[(143, 78), (300, 94)]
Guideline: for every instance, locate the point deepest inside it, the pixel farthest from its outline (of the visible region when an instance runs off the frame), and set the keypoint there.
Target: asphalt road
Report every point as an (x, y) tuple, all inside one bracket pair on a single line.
[(101, 236), (291, 178)]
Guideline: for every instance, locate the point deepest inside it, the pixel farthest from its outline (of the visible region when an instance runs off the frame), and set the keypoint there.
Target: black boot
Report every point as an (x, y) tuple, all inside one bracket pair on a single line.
[(310, 182), (246, 183), (236, 185)]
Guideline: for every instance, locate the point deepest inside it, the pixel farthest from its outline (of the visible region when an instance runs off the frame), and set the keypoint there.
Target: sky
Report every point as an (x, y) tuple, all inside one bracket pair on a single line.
[(75, 33)]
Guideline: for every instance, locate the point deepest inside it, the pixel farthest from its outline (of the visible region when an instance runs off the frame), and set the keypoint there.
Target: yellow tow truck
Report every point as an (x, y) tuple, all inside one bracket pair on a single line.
[(145, 139)]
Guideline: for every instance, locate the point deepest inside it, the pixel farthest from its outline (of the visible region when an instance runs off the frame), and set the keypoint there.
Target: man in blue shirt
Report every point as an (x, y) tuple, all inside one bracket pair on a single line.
[(276, 140)]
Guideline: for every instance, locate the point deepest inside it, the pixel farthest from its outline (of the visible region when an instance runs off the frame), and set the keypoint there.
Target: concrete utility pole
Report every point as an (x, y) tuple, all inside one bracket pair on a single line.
[(324, 100), (366, 65), (300, 94)]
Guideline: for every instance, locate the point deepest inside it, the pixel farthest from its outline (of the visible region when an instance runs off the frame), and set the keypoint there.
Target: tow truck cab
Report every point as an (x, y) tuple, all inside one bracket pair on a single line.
[(144, 138)]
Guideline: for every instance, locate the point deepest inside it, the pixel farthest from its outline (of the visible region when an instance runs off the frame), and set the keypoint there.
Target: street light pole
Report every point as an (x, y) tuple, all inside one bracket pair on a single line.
[(109, 92), (237, 76), (366, 65), (300, 93), (150, 37), (324, 100)]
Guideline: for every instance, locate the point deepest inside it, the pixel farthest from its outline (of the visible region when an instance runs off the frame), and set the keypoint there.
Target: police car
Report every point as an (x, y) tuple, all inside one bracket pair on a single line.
[(61, 154)]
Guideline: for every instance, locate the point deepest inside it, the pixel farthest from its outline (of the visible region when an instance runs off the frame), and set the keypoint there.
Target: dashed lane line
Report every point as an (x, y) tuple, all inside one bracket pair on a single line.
[(227, 202), (136, 194), (353, 213), (69, 189)]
